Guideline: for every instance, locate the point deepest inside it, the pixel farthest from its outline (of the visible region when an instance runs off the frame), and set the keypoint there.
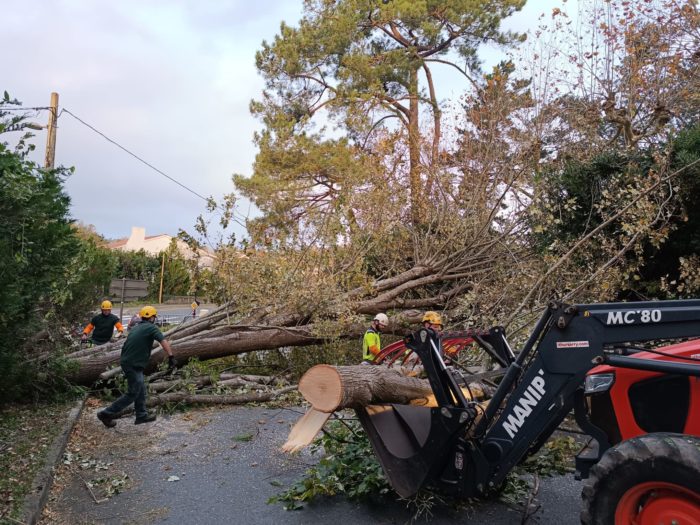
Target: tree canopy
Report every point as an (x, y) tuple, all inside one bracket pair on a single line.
[(364, 68)]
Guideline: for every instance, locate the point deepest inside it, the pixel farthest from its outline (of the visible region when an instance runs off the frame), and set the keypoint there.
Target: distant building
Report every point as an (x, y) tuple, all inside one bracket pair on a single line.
[(156, 244)]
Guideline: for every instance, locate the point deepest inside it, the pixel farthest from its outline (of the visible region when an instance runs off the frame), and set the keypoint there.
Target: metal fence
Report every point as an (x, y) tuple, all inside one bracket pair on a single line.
[(166, 319)]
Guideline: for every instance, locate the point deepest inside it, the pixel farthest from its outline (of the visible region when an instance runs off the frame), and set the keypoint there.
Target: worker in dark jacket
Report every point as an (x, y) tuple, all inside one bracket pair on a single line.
[(136, 353), (102, 325)]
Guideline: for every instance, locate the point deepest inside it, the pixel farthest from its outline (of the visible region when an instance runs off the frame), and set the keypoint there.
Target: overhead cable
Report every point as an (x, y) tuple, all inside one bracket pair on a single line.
[(64, 110)]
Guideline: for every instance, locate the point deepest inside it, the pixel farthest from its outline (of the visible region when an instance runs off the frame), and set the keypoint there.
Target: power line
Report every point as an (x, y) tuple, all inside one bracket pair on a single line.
[(134, 155), (143, 161)]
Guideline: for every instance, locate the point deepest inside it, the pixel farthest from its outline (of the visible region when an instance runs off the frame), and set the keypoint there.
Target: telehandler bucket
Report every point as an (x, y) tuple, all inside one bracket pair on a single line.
[(413, 443)]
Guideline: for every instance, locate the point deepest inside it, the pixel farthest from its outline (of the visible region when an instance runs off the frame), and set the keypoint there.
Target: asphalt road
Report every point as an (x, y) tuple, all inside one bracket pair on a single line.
[(223, 478)]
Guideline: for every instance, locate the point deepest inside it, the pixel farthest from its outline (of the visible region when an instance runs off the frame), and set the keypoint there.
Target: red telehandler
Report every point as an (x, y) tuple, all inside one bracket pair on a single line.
[(640, 407)]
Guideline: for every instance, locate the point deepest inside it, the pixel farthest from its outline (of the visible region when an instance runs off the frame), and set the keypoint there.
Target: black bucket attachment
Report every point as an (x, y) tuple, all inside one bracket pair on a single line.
[(413, 443)]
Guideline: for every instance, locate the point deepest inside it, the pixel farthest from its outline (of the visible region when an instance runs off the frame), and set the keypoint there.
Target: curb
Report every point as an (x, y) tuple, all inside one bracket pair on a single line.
[(41, 486)]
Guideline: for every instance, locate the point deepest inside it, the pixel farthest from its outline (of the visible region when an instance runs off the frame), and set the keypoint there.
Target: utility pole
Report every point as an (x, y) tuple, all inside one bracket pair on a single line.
[(162, 271), (121, 308), (51, 135)]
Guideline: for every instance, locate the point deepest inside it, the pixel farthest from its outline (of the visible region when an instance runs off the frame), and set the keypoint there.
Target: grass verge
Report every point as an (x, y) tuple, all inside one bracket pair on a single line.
[(26, 433)]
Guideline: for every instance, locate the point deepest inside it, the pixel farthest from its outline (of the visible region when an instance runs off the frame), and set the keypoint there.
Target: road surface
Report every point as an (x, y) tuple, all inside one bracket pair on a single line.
[(220, 466)]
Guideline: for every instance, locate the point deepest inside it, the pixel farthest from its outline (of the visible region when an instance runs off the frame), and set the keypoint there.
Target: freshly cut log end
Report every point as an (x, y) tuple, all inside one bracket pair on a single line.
[(329, 388), (322, 386)]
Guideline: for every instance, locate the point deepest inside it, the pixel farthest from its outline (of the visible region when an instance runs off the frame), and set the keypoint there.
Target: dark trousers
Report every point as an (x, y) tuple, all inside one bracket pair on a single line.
[(136, 394)]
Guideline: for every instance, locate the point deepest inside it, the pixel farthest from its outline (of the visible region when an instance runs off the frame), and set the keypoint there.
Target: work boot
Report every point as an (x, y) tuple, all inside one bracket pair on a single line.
[(106, 419), (148, 418)]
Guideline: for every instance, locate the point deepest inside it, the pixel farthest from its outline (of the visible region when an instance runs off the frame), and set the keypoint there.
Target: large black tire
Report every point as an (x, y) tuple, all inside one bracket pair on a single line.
[(661, 458)]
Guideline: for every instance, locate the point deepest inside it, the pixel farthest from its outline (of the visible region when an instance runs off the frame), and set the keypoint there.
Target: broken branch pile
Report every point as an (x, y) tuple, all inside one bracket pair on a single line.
[(231, 389)]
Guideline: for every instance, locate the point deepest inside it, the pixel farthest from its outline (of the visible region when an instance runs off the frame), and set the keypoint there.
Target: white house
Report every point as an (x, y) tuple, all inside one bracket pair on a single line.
[(155, 244)]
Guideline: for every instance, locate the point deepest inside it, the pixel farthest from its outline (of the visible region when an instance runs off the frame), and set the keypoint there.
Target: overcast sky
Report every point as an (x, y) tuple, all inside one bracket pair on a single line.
[(170, 80)]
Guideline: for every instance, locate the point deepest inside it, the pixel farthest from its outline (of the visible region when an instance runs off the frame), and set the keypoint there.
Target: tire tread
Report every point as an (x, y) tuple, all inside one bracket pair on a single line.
[(626, 457)]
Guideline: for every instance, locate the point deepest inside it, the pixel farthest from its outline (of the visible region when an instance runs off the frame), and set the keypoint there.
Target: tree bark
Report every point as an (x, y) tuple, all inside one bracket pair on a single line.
[(414, 150), (228, 340), (330, 388)]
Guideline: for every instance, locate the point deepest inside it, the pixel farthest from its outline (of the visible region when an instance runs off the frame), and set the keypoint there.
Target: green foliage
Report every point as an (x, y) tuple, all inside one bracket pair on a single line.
[(556, 457), (176, 272), (348, 467), (297, 360), (86, 279), (573, 198), (36, 246), (673, 270), (582, 194), (365, 67), (49, 273), (137, 265)]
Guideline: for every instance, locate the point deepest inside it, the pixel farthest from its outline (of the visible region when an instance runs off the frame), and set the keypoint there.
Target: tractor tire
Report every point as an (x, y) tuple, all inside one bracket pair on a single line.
[(654, 478)]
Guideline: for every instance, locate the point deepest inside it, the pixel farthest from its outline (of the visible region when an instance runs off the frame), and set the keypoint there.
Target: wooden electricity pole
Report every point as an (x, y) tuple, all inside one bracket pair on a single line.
[(51, 135), (162, 272)]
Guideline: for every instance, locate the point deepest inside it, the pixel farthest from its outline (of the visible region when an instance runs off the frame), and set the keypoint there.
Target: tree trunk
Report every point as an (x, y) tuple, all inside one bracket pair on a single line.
[(414, 151), (221, 341), (330, 388), (212, 399)]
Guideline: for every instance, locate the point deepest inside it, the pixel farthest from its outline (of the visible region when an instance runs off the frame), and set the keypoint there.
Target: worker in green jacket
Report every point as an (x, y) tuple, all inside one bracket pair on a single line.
[(136, 353), (371, 342)]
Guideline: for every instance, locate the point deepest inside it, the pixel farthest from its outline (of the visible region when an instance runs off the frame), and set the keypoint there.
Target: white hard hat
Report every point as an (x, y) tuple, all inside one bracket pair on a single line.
[(382, 319)]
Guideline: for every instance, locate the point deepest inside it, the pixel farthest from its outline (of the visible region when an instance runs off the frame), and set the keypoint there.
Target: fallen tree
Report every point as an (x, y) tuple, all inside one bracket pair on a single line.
[(214, 339), (490, 263)]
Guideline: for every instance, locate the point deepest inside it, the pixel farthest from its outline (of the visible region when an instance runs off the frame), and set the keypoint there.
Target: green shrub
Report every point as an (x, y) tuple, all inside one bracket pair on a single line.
[(48, 273), (349, 467)]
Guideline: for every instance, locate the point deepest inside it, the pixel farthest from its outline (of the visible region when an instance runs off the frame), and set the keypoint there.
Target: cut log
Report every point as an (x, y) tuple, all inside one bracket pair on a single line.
[(305, 430), (330, 388)]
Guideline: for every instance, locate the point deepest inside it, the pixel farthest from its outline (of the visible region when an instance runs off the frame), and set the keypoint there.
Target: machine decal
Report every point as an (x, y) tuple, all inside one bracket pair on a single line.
[(573, 344), (523, 408), (634, 316)]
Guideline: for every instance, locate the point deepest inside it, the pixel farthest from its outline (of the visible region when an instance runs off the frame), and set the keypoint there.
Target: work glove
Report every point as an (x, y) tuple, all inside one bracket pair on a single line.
[(83, 337), (171, 362), (119, 335)]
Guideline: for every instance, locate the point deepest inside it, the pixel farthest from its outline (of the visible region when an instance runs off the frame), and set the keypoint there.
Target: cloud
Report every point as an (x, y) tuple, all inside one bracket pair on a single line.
[(170, 81)]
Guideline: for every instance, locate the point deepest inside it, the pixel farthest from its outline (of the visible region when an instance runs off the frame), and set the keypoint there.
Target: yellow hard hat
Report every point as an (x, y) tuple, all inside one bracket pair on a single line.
[(147, 312), (432, 318), (106, 305)]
